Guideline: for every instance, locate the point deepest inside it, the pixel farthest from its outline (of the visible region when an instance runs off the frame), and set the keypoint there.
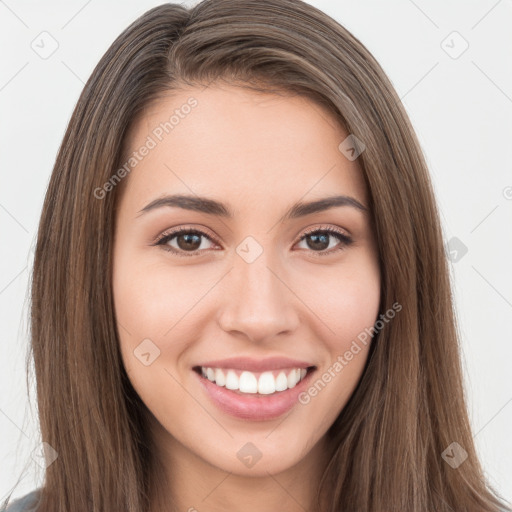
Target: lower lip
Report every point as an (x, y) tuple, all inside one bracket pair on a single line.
[(251, 407)]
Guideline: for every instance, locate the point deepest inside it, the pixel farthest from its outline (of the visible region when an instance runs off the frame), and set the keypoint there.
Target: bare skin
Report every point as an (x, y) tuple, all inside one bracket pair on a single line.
[(258, 154)]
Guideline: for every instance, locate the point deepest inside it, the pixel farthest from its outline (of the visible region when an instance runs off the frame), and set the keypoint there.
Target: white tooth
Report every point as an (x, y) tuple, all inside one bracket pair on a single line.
[(210, 374), (266, 383), (248, 383), (220, 379), (232, 380), (281, 382), (203, 371), (292, 379)]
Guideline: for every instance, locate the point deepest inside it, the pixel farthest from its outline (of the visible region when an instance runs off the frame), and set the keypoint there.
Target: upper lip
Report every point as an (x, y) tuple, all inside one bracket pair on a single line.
[(256, 365)]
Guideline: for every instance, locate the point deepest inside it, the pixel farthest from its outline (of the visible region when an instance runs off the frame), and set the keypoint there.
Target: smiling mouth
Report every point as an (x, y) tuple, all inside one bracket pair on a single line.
[(244, 382)]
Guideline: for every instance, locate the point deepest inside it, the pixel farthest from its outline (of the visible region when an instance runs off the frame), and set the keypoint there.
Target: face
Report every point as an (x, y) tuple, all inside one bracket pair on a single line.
[(253, 294)]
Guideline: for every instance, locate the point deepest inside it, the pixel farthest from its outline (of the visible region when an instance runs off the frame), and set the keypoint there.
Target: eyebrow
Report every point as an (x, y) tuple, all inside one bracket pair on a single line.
[(218, 209)]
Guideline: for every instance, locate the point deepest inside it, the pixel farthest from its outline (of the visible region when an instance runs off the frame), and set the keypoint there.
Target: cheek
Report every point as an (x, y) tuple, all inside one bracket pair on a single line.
[(347, 302), (151, 299), (148, 305), (346, 298), (156, 303)]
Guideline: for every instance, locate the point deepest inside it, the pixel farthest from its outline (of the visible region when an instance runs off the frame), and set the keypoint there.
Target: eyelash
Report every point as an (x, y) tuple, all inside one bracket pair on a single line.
[(166, 237)]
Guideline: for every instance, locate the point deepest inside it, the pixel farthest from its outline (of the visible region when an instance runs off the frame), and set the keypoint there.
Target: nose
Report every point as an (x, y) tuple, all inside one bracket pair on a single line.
[(257, 301)]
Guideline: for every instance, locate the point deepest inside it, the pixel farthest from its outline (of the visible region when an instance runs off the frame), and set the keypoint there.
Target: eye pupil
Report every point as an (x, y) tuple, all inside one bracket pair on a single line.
[(320, 241), (189, 244)]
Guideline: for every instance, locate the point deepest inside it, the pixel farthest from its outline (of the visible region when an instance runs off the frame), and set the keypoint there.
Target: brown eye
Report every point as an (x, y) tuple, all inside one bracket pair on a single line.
[(319, 240), (185, 241), (189, 242)]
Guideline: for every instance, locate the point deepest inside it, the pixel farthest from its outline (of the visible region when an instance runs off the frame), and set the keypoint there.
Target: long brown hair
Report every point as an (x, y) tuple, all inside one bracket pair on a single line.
[(409, 405)]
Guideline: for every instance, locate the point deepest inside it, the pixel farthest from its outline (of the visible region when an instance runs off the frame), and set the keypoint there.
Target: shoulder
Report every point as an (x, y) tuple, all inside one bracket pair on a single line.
[(26, 503)]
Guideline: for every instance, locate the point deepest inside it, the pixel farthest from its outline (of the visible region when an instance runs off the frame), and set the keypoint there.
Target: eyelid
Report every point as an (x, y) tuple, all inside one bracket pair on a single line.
[(344, 238), (185, 229), (331, 229)]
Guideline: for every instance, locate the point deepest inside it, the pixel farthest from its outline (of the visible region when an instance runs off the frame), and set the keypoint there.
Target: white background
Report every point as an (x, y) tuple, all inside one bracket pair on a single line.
[(460, 107)]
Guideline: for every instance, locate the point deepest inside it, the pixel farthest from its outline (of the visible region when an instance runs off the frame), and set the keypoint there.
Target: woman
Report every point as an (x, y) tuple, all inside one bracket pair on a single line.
[(240, 295)]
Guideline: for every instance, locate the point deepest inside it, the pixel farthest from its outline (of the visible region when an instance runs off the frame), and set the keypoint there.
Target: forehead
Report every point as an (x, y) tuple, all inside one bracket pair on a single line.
[(229, 141)]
